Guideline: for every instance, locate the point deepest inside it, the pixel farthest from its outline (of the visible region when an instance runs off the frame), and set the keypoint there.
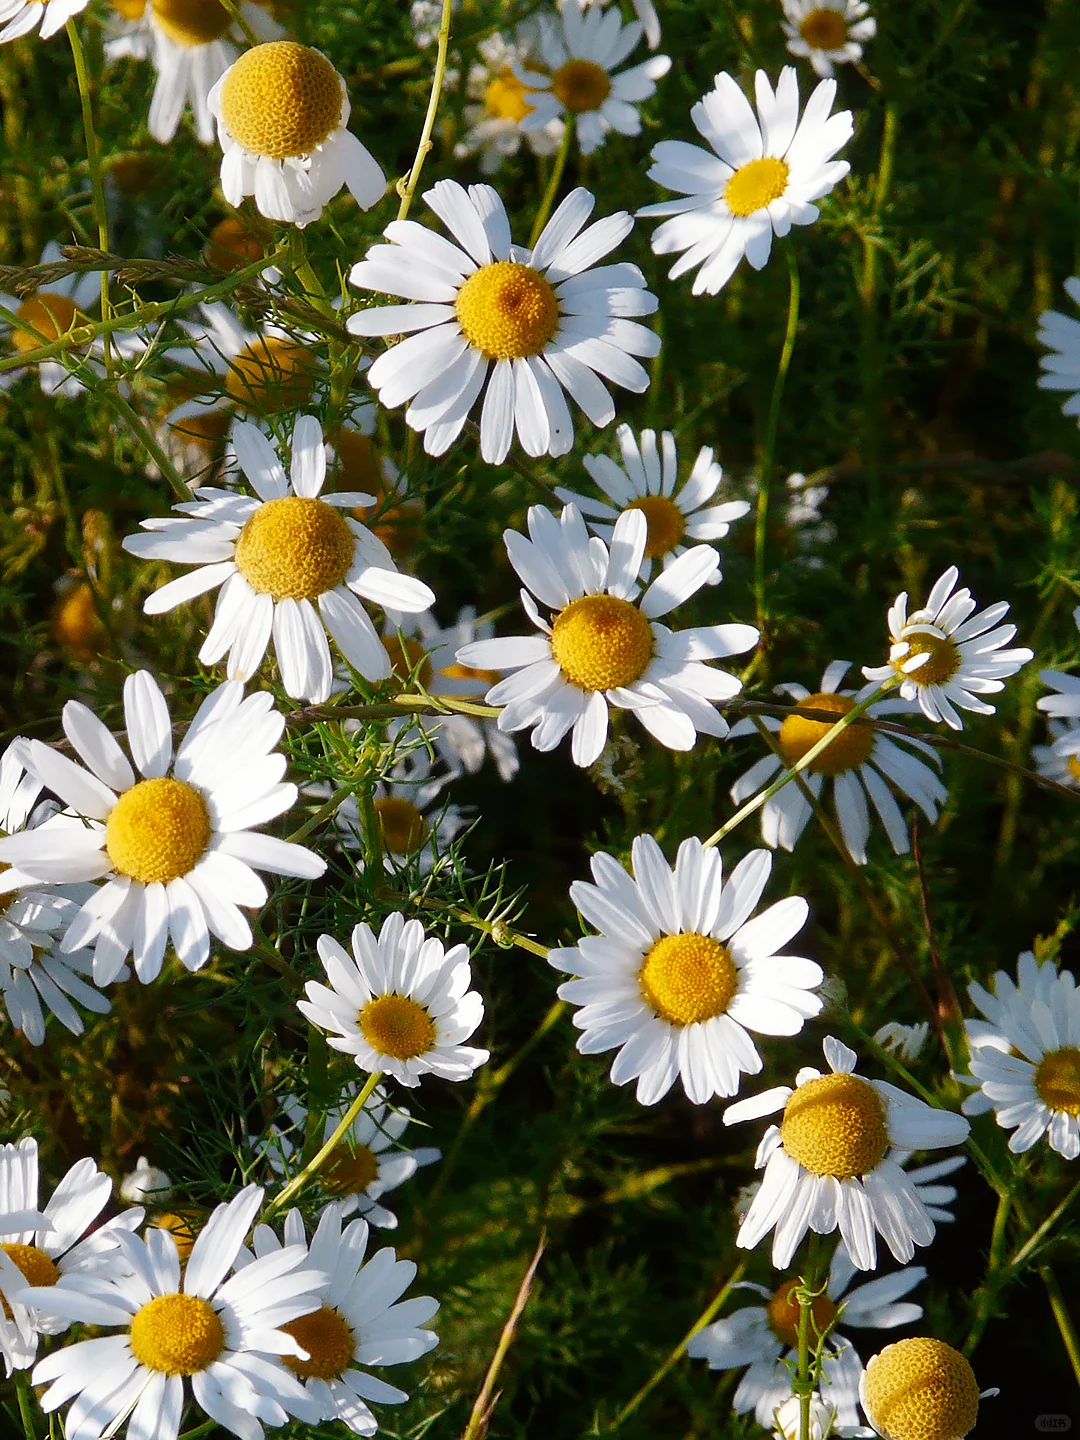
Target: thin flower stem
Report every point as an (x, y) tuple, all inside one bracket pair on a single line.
[(987, 1293), (1064, 1319), (26, 1409), (93, 160), (407, 190), (486, 1400), (324, 812), (804, 1382), (547, 201), (1038, 1236), (177, 484), (767, 453), (298, 1182), (241, 22)]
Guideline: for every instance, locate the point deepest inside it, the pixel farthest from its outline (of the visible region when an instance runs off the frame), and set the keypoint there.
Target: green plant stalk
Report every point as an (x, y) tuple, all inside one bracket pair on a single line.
[(988, 1291), (1038, 1236), (26, 1408), (298, 1182), (409, 189), (804, 1382), (324, 812), (241, 24), (486, 1399), (767, 453), (1066, 1329), (872, 364), (93, 159), (547, 201)]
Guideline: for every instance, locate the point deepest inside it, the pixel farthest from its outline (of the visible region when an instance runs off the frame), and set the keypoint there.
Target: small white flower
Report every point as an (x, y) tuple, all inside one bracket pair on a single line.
[(787, 1419), (400, 1003), (1060, 760), (1064, 704), (903, 1041), (647, 481), (762, 179), (1061, 335), (827, 32), (146, 1183), (502, 101), (948, 654), (605, 646), (680, 973), (20, 17), (832, 1159)]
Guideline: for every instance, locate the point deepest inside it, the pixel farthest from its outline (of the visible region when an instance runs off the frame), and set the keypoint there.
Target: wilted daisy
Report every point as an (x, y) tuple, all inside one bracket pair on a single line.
[(604, 646), (288, 562), (948, 654), (20, 17), (765, 173), (282, 114), (531, 323), (828, 32), (920, 1389), (861, 763), (52, 310), (502, 101), (647, 481), (400, 1003), (415, 827), (581, 82), (362, 1320), (177, 849), (765, 1338), (680, 973), (1061, 336), (223, 1334), (368, 1161), (831, 1160)]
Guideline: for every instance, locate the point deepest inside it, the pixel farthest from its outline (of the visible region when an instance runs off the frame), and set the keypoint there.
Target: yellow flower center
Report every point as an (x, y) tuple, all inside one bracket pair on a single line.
[(824, 29), (297, 547), (755, 184), (35, 1265), (328, 1340), (281, 99), (130, 9), (666, 522), (783, 1313), (50, 315), (271, 375), (401, 825), (191, 22), (397, 1026), (487, 678), (921, 1389), (688, 978), (581, 85), (942, 665), (157, 831), (600, 642), (1073, 766), (848, 751), (1057, 1080), (504, 98), (349, 1171), (75, 622), (134, 173), (231, 245), (408, 657), (507, 311), (177, 1335), (835, 1125), (182, 1230)]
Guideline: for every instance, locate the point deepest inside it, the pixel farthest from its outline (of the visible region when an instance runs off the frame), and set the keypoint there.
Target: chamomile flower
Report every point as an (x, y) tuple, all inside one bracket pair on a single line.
[(827, 32), (282, 114), (530, 323), (861, 764), (1061, 336), (21, 17), (604, 646), (177, 849), (400, 1004), (1060, 760), (645, 11), (680, 973), (414, 829), (41, 1253), (647, 480), (920, 1389), (501, 101), (765, 1338), (948, 654), (903, 1041), (362, 1320), (288, 562), (831, 1161), (368, 1161), (224, 1334), (787, 1418), (581, 83), (146, 1183), (1064, 703), (51, 311), (765, 174)]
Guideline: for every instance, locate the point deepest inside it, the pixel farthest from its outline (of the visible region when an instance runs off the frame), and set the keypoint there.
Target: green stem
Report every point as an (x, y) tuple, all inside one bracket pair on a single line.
[(407, 190), (988, 1291), (805, 1380), (26, 1409), (872, 362), (767, 452), (93, 158), (1036, 1238), (241, 24), (298, 1182), (1063, 1318), (179, 486), (324, 812), (552, 189), (486, 1400)]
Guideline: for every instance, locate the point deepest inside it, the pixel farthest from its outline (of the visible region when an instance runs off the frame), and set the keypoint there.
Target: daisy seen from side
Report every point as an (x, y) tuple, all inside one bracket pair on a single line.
[(680, 974), (763, 177), (830, 1163), (1061, 336), (500, 101), (521, 325), (828, 32), (176, 847), (604, 645)]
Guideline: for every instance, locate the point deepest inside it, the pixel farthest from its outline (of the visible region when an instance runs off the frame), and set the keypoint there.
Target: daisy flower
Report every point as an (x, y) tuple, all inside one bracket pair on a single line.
[(531, 323), (582, 51), (20, 17), (645, 11), (763, 177), (1064, 704), (52, 310), (903, 1041), (830, 1164), (1025, 1058), (827, 32), (177, 849), (765, 1338), (410, 833), (502, 101), (400, 1004), (823, 1417), (192, 43), (368, 1161), (362, 1320), (224, 1334), (288, 564), (146, 1182), (282, 114), (1061, 336), (604, 646), (1060, 760), (947, 656), (920, 1387), (860, 763), (680, 972), (40, 1251), (647, 481)]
